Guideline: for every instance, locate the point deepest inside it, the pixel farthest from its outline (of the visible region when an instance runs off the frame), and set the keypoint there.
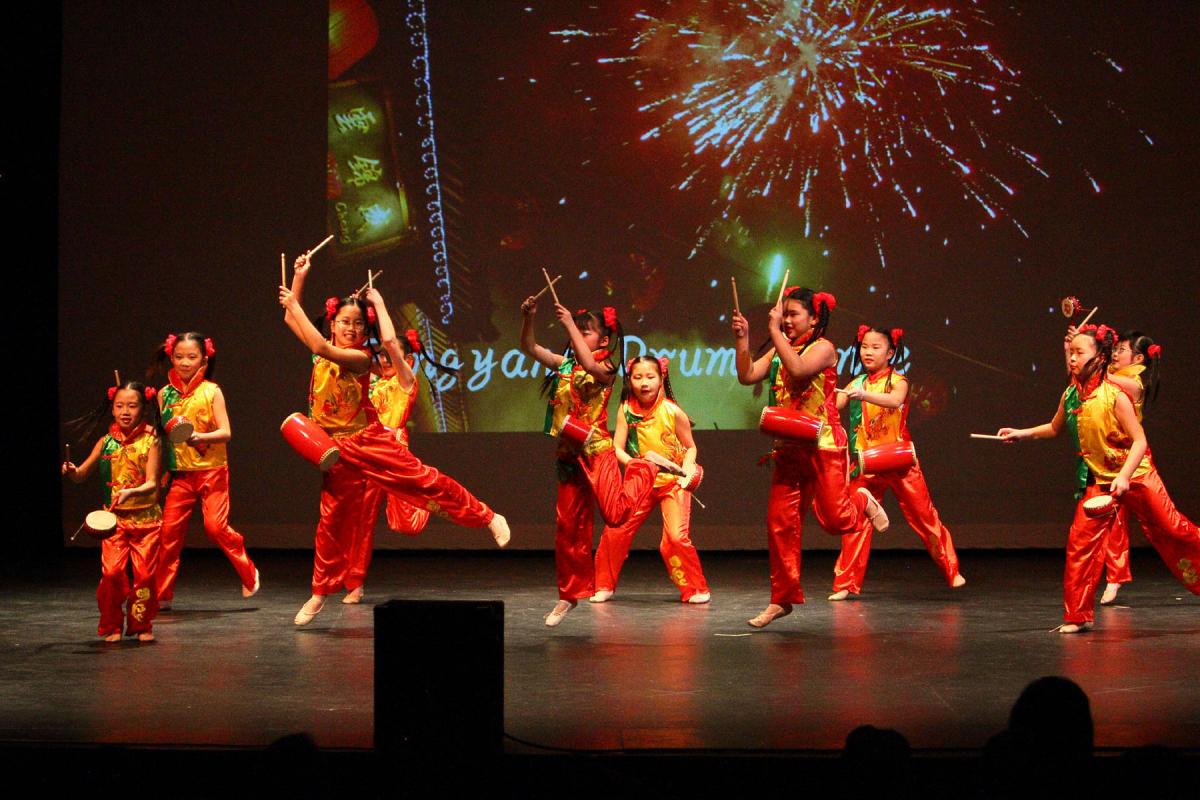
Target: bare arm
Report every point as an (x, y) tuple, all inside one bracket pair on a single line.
[(1128, 420), (893, 399), (749, 370), (1047, 430), (620, 437), (601, 371), (299, 271), (353, 360), (529, 345), (389, 340), (1132, 386), (79, 474), (683, 431)]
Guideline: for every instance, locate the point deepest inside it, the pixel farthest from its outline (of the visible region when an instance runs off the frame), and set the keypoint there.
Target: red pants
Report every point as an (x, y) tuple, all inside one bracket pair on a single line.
[(913, 495), (136, 606), (402, 517), (373, 455), (806, 476), (678, 553), (1174, 536), (211, 488), (597, 477), (1116, 549)]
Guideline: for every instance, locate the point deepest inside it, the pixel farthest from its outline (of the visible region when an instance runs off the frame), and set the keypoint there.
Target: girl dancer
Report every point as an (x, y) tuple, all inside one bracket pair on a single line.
[(802, 367), (648, 421), (369, 451), (878, 402), (199, 467), (128, 457), (1113, 457), (393, 396), (578, 383)]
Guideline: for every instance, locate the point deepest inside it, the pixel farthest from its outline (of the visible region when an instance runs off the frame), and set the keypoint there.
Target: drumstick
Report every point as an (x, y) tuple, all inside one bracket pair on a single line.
[(987, 436), (697, 499), (1089, 316), (737, 308), (282, 270), (545, 288), (68, 452), (550, 286), (782, 286), (324, 242), (367, 285), (842, 391), (76, 533), (117, 378)]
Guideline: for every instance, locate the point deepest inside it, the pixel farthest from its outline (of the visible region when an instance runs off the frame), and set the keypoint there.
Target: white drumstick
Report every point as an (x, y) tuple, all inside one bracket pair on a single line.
[(547, 288), (987, 436), (1089, 316), (324, 242), (282, 270), (550, 286), (783, 285), (117, 378)]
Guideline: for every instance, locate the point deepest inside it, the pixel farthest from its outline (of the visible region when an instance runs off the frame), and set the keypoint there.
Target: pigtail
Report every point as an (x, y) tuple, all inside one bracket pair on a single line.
[(1142, 345), (411, 342), (84, 430)]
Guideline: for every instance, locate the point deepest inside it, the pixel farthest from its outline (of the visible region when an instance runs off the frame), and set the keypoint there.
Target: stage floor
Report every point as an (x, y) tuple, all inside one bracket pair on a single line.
[(640, 672)]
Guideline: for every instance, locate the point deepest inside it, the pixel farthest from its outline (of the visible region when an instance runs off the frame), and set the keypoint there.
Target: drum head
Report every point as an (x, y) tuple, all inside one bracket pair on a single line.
[(1070, 306), (100, 524), (179, 430), (1099, 506)]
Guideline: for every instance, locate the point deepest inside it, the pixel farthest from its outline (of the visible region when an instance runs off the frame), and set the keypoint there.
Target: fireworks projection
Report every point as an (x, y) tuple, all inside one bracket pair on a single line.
[(836, 106)]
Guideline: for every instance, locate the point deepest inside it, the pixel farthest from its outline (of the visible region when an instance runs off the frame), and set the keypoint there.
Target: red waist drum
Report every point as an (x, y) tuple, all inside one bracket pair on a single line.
[(887, 458), (787, 423), (694, 483), (100, 524), (309, 440), (1102, 505), (576, 431), (179, 429)]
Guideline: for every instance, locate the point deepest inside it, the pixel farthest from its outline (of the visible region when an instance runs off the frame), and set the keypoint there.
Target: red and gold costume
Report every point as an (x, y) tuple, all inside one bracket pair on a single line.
[(807, 474), (394, 406), (370, 454), (654, 431), (587, 472), (1116, 547), (201, 473), (1103, 448), (874, 425), (123, 462)]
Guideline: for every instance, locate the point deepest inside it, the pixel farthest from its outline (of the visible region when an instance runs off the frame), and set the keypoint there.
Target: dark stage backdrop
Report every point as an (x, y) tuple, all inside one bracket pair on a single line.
[(200, 140)]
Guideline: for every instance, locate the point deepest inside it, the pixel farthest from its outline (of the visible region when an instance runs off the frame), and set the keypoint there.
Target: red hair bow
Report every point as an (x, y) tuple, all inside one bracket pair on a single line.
[(169, 344), (863, 330), (580, 312), (371, 318), (897, 335), (1102, 333), (824, 299), (331, 307), (663, 363), (112, 392), (788, 290), (610, 316), (414, 343), (209, 350), (1154, 351), (150, 393)]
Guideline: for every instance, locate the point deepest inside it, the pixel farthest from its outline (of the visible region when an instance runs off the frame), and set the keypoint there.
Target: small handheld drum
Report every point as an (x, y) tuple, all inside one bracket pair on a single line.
[(310, 441), (886, 458), (1102, 505), (694, 483), (100, 524), (179, 429), (786, 423), (578, 432)]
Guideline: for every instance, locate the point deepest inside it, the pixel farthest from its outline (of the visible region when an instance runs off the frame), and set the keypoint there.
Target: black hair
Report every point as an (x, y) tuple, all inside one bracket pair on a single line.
[(323, 322), (1104, 347), (627, 390), (804, 296), (588, 320), (1140, 344), (162, 362), (87, 428), (422, 351), (895, 338)]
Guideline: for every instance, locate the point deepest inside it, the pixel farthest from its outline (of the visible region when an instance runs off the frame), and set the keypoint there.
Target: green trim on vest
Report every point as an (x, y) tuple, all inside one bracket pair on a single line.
[(109, 447), (564, 371), (776, 365), (855, 408), (1071, 406)]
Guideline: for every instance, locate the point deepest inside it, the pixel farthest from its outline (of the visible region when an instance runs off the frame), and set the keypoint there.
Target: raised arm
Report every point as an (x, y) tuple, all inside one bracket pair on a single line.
[(601, 371), (306, 332), (389, 341), (299, 271), (749, 370), (529, 345)]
